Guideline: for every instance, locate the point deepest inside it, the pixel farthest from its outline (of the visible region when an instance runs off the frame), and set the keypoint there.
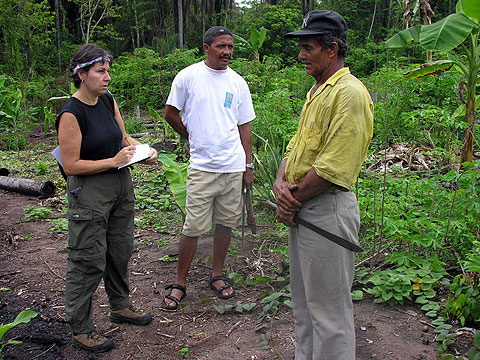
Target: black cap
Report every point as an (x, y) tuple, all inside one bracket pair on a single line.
[(318, 22), (215, 31)]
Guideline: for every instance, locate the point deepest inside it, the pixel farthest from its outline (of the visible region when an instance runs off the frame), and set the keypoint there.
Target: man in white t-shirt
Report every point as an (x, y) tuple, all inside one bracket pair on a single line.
[(216, 110)]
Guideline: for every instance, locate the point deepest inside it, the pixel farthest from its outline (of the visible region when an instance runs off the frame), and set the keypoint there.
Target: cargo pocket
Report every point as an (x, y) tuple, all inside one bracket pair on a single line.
[(81, 228)]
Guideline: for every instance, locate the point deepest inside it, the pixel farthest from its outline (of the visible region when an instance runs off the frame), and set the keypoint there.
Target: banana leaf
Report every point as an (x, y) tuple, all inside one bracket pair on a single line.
[(447, 33), (176, 174), (402, 39), (461, 109), (471, 8), (23, 317), (153, 113), (432, 68)]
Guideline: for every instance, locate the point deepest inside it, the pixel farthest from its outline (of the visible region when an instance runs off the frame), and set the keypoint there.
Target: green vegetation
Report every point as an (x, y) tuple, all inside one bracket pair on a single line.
[(418, 191), (22, 318), (34, 213)]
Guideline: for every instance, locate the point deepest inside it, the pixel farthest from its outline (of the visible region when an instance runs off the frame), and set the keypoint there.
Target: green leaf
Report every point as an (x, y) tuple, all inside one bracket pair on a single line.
[(476, 340), (262, 279), (402, 38), (272, 297), (249, 307), (461, 109), (219, 308), (429, 69), (176, 174), (357, 295), (421, 300), (23, 317), (447, 357), (447, 33), (471, 8), (167, 258)]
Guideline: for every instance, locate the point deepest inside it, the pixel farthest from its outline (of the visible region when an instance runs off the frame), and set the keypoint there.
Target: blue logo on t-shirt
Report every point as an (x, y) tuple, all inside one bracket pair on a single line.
[(228, 100)]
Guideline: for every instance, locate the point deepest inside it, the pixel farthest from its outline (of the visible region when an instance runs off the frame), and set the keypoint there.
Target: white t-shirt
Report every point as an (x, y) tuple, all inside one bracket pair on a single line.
[(213, 103)]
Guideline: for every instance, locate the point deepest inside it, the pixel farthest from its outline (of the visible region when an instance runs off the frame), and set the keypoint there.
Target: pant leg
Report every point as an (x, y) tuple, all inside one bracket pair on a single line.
[(86, 248), (120, 245), (327, 274), (301, 314)]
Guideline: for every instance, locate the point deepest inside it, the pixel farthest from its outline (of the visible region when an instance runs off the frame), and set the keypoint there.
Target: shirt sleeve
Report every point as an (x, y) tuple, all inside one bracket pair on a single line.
[(246, 111), (178, 92)]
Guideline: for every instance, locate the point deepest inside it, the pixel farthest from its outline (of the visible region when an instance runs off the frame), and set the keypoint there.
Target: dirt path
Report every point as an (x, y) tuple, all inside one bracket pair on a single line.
[(32, 265)]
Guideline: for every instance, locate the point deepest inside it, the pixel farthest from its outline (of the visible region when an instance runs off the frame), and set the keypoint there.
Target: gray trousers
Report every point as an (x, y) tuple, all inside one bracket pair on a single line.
[(321, 275), (100, 244)]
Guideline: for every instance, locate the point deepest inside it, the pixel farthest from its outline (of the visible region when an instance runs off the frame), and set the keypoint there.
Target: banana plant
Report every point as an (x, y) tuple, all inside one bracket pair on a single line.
[(459, 31), (254, 43), (24, 317), (176, 174)]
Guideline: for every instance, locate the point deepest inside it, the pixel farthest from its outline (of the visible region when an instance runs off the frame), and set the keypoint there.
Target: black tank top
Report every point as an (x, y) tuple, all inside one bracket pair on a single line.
[(101, 135)]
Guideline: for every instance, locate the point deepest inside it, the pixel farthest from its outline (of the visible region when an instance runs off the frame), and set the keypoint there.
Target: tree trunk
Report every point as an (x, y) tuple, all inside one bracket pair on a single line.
[(467, 150), (57, 25), (180, 23), (27, 186), (137, 30), (203, 20)]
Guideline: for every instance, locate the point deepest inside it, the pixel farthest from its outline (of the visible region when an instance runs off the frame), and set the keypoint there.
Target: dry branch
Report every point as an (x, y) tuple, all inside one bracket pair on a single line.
[(46, 263)]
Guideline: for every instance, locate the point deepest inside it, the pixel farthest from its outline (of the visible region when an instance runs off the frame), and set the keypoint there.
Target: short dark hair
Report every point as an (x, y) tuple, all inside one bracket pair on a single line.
[(214, 32), (326, 40), (84, 55)]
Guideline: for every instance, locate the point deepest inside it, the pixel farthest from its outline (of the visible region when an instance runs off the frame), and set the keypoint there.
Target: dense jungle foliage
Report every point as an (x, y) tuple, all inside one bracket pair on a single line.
[(418, 194)]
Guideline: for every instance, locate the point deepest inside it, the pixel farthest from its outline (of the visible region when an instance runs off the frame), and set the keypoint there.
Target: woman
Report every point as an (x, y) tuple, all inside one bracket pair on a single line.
[(93, 145)]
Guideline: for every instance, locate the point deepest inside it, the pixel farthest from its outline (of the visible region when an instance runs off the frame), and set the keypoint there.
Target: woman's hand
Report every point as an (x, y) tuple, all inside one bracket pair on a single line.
[(124, 156), (152, 159)]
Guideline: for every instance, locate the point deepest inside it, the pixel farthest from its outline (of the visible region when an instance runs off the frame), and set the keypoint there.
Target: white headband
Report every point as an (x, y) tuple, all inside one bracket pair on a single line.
[(88, 63)]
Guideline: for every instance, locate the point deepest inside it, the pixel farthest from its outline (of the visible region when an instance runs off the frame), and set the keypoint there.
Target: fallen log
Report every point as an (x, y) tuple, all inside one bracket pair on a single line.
[(27, 186)]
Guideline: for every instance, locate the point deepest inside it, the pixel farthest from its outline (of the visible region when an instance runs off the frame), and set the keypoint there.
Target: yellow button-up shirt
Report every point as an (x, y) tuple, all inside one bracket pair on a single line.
[(334, 132)]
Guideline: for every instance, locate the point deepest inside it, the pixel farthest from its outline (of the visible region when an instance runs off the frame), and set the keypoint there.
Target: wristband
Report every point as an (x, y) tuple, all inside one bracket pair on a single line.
[(250, 166)]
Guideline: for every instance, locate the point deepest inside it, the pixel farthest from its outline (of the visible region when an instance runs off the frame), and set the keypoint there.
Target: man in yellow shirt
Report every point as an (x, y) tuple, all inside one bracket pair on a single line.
[(321, 164)]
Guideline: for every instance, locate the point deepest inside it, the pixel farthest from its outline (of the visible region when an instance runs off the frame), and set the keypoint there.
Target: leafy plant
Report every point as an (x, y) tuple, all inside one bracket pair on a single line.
[(267, 164), (254, 43), (413, 276), (464, 302), (34, 213), (41, 168), (185, 352), (22, 318), (168, 258), (132, 125), (473, 353), (176, 174), (13, 119), (153, 113), (238, 307), (459, 30), (61, 225)]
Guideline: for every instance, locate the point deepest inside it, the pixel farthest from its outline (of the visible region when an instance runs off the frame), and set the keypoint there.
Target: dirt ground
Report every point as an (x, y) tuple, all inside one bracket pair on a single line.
[(32, 266)]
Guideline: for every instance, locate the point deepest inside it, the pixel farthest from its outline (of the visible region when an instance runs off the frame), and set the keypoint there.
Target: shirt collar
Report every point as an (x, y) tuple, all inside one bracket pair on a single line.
[(332, 80)]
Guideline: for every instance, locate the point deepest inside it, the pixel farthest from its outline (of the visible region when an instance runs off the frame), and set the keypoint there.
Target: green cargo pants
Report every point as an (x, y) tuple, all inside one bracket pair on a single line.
[(100, 243)]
